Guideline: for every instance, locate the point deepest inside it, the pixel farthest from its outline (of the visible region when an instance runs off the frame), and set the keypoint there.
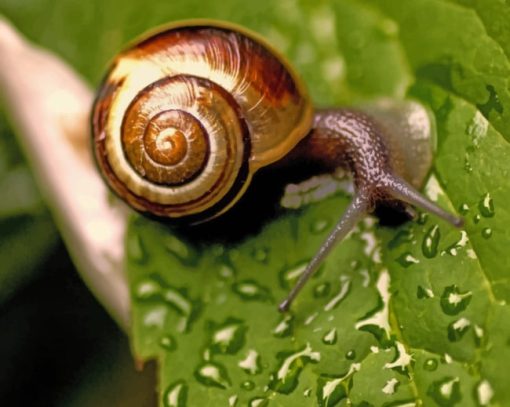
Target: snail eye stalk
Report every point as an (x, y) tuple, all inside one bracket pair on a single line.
[(356, 211)]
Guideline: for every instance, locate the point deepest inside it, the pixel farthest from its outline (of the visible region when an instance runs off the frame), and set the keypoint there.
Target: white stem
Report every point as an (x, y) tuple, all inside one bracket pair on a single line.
[(49, 106)]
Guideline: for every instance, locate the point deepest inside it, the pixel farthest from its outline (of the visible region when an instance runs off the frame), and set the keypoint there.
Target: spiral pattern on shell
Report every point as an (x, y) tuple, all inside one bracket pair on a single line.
[(186, 116)]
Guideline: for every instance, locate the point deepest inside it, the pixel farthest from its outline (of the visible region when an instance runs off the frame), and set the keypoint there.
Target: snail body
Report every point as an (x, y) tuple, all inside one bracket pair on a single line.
[(186, 116)]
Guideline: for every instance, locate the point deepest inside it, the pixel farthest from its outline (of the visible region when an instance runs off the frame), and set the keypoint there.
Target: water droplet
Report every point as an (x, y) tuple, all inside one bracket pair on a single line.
[(377, 321), (286, 378), (226, 272), (370, 243), (180, 250), (351, 354), (284, 327), (457, 329), (423, 218), (424, 293), (471, 254), (307, 392), (430, 365), (487, 233), (318, 226), (251, 363), (446, 359), (289, 276), (484, 393), (464, 208), (407, 259), (135, 248), (477, 129), (322, 290), (402, 237), (431, 241), (332, 390), (232, 400), (479, 333), (391, 386), (366, 277), (258, 402), (454, 301), (212, 375), (155, 317), (176, 394), (309, 319), (148, 289), (330, 337), (455, 247), (261, 255), (345, 285), (477, 218), (445, 392), (402, 360), (467, 164), (168, 343), (248, 385), (227, 337), (486, 206), (187, 308), (251, 290)]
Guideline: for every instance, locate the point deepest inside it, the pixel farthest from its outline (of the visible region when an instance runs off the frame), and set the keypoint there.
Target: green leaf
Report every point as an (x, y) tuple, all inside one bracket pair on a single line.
[(395, 315)]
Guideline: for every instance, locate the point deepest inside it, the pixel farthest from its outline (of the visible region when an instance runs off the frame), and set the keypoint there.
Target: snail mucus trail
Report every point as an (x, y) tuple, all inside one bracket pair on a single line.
[(187, 115)]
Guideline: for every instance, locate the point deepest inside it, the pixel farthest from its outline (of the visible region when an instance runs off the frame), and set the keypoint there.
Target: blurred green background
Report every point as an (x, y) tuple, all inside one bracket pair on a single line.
[(58, 347)]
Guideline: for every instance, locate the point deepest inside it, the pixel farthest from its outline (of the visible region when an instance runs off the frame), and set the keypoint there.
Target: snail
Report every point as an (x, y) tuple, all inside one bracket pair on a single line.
[(187, 115)]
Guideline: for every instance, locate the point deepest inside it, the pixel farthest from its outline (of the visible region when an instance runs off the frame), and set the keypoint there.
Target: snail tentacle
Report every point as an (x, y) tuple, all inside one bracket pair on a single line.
[(356, 211), (402, 190)]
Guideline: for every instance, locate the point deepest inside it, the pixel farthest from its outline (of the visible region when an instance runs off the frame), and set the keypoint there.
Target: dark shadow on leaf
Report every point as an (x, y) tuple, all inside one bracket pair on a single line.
[(258, 206)]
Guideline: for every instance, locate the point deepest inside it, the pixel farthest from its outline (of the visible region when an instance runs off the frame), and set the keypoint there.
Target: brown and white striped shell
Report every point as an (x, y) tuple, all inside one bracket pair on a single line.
[(186, 116)]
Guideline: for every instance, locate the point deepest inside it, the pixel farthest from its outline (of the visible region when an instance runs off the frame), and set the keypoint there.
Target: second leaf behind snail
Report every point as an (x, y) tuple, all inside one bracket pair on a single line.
[(186, 116)]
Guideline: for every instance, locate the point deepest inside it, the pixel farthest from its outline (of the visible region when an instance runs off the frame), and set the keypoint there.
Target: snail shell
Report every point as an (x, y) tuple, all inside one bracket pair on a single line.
[(186, 116)]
